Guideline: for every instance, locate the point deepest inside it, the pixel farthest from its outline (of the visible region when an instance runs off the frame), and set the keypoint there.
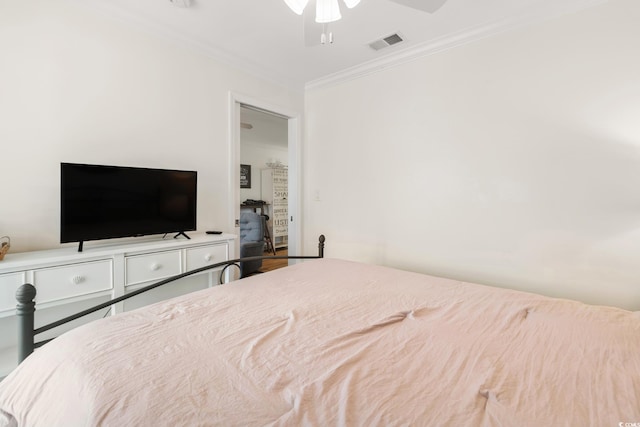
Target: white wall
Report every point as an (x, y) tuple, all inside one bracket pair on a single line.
[(78, 87), (512, 161)]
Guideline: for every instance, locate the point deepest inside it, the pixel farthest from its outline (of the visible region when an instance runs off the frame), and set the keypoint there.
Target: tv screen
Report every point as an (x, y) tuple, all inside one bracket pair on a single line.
[(103, 202)]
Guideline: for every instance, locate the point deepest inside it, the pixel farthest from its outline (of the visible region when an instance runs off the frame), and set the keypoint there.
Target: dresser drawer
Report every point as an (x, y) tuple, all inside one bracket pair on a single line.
[(148, 267), (8, 285), (72, 280), (206, 255)]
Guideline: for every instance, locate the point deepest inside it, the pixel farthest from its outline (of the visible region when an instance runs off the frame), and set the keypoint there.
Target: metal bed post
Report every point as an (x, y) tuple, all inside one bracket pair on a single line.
[(25, 309), (321, 246)]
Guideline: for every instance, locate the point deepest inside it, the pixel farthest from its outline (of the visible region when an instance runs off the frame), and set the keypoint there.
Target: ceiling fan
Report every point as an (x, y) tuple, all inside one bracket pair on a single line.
[(316, 29)]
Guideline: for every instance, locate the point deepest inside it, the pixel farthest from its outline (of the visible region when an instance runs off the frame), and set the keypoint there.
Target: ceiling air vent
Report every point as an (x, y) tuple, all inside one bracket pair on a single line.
[(386, 41)]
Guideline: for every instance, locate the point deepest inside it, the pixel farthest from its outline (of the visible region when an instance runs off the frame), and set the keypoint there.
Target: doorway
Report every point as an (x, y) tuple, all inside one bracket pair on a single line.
[(264, 170), (266, 138)]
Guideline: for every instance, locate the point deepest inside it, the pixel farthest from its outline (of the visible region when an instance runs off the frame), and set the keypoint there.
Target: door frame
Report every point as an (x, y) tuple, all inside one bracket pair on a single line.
[(236, 100)]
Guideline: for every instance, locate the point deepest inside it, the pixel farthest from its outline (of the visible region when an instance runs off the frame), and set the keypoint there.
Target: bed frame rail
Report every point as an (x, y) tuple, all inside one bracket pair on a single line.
[(26, 306)]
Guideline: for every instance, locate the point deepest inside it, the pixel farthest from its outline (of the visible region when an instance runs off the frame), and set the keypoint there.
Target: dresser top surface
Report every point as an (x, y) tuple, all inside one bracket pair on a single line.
[(104, 249)]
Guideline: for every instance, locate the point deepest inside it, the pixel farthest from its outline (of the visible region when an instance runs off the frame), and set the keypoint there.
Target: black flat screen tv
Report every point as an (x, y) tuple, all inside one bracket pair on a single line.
[(103, 202)]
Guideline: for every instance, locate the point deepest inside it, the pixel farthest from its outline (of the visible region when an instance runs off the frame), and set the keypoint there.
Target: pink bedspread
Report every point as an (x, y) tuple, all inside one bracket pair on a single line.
[(332, 342)]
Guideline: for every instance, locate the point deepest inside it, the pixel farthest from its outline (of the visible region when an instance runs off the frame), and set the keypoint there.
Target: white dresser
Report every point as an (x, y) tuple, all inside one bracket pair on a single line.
[(67, 280)]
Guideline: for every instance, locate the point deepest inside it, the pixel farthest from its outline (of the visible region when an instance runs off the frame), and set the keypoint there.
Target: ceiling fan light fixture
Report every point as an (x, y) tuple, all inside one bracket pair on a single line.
[(327, 11), (351, 3), (297, 5)]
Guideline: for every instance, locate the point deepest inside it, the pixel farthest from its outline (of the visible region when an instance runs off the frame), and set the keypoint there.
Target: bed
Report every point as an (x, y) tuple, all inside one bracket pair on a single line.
[(334, 342)]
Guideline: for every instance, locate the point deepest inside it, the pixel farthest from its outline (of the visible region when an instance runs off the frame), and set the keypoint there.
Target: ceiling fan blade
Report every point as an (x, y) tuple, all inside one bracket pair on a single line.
[(429, 6)]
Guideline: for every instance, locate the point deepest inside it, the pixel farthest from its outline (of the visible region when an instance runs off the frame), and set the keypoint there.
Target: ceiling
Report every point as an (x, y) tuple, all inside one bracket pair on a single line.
[(267, 128), (266, 38)]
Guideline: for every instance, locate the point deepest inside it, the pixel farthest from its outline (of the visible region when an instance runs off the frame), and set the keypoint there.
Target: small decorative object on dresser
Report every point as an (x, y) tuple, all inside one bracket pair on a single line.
[(5, 244)]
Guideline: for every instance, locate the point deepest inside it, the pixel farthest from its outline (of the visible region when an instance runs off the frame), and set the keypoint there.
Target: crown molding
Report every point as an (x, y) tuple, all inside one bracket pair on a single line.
[(450, 41)]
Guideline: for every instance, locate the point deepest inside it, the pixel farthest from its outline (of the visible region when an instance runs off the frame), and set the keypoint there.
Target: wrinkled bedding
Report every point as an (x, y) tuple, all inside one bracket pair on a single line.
[(330, 342)]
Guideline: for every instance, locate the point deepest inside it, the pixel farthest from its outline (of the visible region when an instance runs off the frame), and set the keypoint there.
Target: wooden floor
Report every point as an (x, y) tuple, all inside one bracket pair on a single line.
[(273, 264)]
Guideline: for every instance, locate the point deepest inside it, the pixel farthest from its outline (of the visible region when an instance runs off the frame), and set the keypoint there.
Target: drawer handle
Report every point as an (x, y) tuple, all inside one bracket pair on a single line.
[(155, 266), (76, 280), (208, 257)]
